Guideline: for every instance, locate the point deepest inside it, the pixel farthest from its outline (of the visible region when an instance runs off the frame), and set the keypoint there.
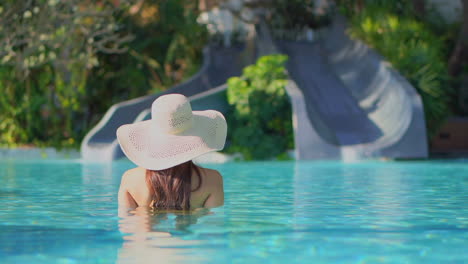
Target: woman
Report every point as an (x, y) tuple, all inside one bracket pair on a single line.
[(163, 148)]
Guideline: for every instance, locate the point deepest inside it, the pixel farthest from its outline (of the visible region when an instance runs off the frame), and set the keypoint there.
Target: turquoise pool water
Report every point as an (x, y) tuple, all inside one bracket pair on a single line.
[(275, 212)]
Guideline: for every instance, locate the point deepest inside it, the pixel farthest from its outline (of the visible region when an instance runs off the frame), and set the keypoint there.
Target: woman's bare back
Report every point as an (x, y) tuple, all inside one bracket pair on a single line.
[(134, 191)]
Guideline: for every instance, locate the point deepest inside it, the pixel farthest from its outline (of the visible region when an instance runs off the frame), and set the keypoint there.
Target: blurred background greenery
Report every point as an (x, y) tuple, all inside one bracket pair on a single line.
[(64, 63)]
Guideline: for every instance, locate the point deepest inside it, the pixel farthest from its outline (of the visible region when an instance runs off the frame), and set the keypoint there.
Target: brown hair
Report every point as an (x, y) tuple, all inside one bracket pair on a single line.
[(171, 188)]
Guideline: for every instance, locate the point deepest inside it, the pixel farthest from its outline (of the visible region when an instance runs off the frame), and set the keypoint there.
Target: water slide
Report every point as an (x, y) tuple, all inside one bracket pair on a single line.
[(347, 102), (356, 105)]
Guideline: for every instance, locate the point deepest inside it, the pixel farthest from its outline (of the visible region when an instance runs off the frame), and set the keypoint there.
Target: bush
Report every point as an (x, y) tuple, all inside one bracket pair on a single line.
[(49, 48), (260, 125), (413, 48), (64, 63)]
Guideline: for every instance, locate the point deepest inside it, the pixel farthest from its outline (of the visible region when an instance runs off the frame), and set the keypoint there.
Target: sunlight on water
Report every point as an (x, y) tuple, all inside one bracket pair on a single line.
[(276, 212)]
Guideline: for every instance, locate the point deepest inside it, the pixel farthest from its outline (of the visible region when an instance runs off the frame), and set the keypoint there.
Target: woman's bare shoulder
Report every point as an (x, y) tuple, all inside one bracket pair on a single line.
[(134, 182), (134, 176), (213, 186), (137, 170), (210, 172), (212, 177)]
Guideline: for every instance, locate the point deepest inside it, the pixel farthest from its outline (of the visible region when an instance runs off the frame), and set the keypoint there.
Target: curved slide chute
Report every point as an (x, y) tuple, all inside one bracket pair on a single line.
[(349, 103)]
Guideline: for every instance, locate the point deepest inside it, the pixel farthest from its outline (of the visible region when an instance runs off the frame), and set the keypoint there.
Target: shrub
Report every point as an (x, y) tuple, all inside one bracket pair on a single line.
[(260, 125), (64, 63), (48, 49)]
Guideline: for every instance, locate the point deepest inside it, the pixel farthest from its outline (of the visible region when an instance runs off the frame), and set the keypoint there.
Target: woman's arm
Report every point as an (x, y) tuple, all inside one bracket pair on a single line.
[(216, 197)]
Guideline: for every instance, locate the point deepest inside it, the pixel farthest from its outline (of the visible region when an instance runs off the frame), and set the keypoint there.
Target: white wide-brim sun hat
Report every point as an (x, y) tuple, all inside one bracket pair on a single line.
[(175, 134)]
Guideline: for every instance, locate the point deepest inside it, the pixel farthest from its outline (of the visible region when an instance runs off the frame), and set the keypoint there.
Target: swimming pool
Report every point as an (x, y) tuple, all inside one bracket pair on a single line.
[(60, 211)]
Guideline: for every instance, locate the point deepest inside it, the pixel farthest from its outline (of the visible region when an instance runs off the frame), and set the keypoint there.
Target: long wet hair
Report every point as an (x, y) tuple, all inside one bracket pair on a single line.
[(171, 188)]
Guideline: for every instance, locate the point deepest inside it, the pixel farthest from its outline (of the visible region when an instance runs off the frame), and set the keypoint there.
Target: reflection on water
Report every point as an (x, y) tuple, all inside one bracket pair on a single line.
[(157, 236), (377, 198), (377, 208)]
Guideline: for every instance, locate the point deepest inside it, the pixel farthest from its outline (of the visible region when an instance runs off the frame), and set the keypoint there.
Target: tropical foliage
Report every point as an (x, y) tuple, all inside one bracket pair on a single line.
[(166, 49), (63, 63), (260, 122)]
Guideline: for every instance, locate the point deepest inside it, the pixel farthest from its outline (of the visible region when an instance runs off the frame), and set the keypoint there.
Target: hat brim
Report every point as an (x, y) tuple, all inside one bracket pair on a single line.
[(157, 150)]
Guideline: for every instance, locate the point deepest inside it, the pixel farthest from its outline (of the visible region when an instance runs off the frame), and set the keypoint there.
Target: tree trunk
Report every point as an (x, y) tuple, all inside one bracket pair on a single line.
[(359, 6), (419, 7), (460, 52)]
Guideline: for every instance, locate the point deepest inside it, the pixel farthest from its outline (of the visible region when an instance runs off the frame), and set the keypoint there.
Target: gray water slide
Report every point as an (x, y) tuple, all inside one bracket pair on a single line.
[(348, 103), (219, 63)]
